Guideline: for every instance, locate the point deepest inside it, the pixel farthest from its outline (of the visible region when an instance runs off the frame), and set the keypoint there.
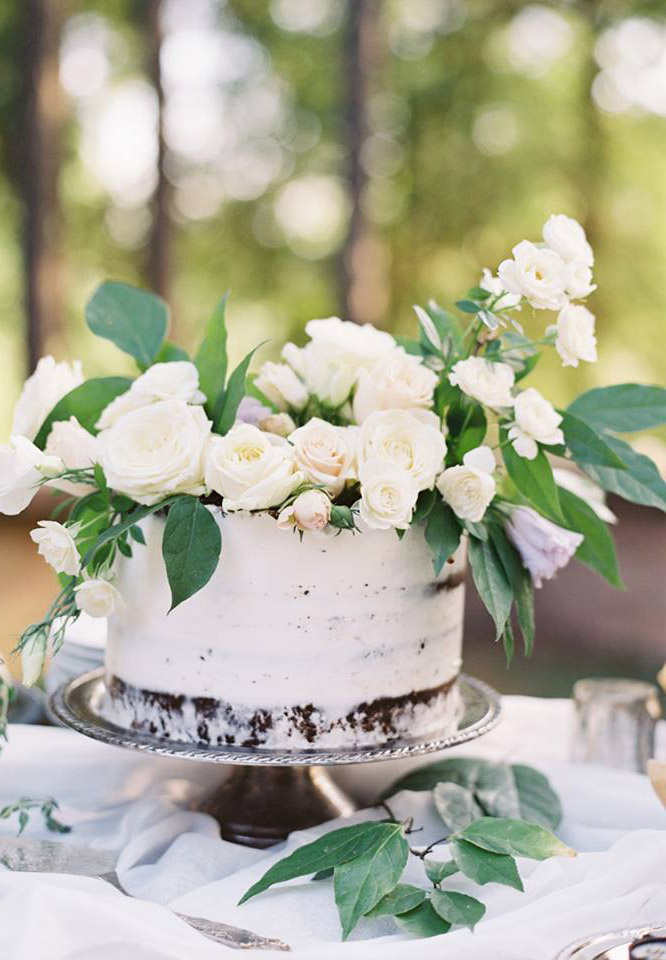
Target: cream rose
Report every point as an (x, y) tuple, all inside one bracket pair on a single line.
[(567, 238), (279, 383), (98, 597), (310, 510), (409, 439), (537, 421), (575, 335), (488, 383), (77, 449), (537, 273), (49, 383), (56, 544), (579, 283), (397, 381), (388, 496), (249, 470), (157, 450), (22, 467), (178, 380), (325, 454), (468, 489)]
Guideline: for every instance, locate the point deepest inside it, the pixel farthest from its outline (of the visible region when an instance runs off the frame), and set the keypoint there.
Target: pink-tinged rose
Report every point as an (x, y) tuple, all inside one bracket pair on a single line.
[(309, 511)]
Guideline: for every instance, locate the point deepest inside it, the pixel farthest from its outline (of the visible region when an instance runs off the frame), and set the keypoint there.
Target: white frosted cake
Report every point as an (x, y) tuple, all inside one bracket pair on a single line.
[(329, 641)]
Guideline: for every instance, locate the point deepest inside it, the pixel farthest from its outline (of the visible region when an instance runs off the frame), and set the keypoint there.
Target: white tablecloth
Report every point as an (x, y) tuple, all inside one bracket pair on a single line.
[(130, 803)]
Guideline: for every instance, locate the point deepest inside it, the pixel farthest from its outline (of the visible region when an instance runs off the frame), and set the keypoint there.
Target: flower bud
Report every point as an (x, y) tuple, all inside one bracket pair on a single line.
[(309, 511)]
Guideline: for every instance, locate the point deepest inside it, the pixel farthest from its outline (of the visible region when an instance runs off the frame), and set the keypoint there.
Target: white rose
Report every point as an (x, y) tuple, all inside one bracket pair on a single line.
[(280, 424), (388, 496), (279, 383), (98, 597), (586, 489), (57, 545), (249, 470), (22, 467), (507, 301), (468, 489), (325, 454), (543, 546), (567, 238), (579, 283), (397, 381), (178, 380), (49, 383), (537, 273), (310, 510), (409, 439), (488, 383), (575, 335), (156, 450), (33, 656), (537, 421), (77, 449)]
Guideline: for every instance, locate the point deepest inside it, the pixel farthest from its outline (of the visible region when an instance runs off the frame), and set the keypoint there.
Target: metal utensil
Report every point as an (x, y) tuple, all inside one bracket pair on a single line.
[(609, 946), (46, 856)]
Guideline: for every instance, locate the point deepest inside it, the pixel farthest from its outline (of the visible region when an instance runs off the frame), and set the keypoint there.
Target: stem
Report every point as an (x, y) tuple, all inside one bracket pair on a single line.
[(422, 854)]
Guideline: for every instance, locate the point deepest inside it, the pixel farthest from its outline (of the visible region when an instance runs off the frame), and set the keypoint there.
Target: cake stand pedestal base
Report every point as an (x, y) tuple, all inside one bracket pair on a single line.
[(261, 806)]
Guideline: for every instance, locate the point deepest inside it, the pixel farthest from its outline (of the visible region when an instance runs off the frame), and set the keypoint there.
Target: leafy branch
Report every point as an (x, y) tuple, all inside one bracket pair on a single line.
[(25, 806)]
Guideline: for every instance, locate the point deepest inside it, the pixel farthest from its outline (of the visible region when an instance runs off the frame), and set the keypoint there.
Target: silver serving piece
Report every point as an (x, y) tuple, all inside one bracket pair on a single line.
[(272, 792), (45, 856), (616, 721), (611, 946)]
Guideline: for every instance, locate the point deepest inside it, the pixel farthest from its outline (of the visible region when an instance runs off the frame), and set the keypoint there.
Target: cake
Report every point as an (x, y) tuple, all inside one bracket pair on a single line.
[(331, 641)]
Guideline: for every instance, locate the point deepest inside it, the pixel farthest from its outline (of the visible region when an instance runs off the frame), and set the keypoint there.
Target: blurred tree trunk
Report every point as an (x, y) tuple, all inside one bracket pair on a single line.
[(362, 260), (159, 245), (41, 22)]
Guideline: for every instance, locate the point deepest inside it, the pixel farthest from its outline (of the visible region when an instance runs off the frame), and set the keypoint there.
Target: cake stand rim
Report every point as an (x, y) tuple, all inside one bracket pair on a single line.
[(71, 703)]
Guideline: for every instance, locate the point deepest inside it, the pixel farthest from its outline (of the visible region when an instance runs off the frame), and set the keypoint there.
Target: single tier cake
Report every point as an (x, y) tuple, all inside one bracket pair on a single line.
[(325, 641)]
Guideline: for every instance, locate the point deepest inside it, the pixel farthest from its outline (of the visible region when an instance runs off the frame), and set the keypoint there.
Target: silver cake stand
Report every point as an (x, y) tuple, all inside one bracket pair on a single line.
[(272, 792)]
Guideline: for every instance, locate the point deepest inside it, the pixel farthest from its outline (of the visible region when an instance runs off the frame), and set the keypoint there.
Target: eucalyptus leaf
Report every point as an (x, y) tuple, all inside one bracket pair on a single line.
[(423, 921), (456, 805), (586, 445), (85, 402), (640, 482), (211, 359), (515, 838), (483, 867), (442, 534), (624, 407), (439, 870), (191, 548), (135, 320), (458, 909), (597, 550), (491, 582), (534, 480), (233, 394), (401, 899)]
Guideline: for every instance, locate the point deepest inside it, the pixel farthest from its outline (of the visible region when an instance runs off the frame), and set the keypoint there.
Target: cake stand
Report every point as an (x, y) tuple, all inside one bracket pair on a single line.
[(270, 793)]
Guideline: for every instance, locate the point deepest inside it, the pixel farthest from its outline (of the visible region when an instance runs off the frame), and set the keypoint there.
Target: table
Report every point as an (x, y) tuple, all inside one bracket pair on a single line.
[(133, 804)]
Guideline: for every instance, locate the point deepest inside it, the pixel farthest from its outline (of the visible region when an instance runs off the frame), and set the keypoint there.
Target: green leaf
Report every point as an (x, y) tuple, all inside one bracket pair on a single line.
[(508, 642), (641, 482), (464, 771), (323, 874), (597, 550), (401, 899), (491, 582), (586, 445), (447, 325), (478, 293), (483, 867), (100, 477), (624, 407), (521, 584), (171, 353), (85, 402), (538, 801), (136, 533), (211, 360), (342, 517), (477, 530), (473, 431), (361, 883), (438, 871), (534, 480), (456, 806), (118, 529), (516, 838), (423, 921), (457, 908), (135, 320), (442, 534), (191, 548), (424, 504), (467, 306), (234, 394), (323, 853)]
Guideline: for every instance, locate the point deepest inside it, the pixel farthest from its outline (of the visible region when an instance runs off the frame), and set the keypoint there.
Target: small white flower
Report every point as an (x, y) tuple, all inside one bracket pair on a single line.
[(397, 381), (279, 383), (575, 335), (469, 489), (567, 238), (280, 424), (49, 383), (157, 450), (178, 380), (388, 496), (537, 273), (57, 545), (488, 383), (77, 449), (537, 421), (98, 597), (249, 470), (543, 546), (579, 284), (325, 454), (507, 301), (310, 510), (22, 467), (33, 657), (409, 439), (586, 489)]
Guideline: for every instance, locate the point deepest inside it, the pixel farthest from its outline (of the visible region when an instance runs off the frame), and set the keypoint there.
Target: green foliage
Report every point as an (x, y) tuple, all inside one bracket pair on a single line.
[(483, 867), (191, 548), (423, 921), (457, 908), (234, 393), (342, 517), (442, 533), (456, 805), (491, 581), (534, 481), (171, 353), (85, 402), (586, 445), (515, 838), (135, 320), (211, 360), (640, 482), (23, 807), (521, 585), (597, 550), (439, 870), (403, 898), (623, 408)]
